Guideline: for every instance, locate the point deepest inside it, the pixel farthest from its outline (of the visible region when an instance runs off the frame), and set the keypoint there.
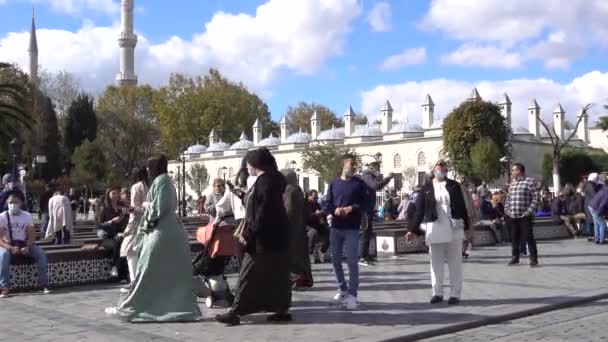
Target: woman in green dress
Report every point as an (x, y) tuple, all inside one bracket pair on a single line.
[(162, 290)]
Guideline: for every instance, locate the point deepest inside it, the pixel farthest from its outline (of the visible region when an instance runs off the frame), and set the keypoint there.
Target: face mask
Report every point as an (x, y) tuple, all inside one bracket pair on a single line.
[(14, 209), (440, 175), (250, 181), (251, 171), (347, 172)]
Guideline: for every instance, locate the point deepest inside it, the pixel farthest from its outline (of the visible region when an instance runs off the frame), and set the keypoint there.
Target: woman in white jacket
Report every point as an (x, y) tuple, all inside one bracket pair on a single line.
[(60, 219)]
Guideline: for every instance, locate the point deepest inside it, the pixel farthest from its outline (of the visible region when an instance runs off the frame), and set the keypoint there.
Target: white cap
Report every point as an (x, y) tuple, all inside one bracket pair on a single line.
[(592, 177)]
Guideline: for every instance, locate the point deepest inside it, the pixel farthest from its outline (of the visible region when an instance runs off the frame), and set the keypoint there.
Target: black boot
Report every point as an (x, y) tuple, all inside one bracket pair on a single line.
[(280, 317), (229, 318)]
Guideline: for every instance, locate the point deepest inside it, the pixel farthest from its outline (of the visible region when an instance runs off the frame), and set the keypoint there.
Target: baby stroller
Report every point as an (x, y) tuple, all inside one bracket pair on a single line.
[(208, 268)]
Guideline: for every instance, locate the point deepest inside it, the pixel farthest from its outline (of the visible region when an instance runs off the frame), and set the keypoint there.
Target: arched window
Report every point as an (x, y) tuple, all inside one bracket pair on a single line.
[(397, 161), (421, 159)]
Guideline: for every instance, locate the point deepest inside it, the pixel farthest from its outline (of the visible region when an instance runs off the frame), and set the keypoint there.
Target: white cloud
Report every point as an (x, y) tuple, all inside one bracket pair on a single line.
[(591, 87), (484, 56), (298, 36), (379, 17), (407, 57), (524, 25)]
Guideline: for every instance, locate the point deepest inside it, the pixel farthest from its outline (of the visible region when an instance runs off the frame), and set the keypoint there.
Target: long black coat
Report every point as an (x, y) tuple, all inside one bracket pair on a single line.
[(267, 216)]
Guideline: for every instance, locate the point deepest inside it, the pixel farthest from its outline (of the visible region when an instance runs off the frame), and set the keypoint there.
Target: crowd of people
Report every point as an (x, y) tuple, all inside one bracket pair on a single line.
[(279, 227)]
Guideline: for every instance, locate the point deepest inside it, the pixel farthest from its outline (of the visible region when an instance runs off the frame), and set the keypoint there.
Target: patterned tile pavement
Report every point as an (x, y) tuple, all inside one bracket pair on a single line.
[(394, 302)]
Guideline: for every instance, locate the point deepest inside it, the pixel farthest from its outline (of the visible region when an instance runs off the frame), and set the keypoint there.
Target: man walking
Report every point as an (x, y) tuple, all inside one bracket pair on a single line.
[(521, 202), (374, 180), (346, 201)]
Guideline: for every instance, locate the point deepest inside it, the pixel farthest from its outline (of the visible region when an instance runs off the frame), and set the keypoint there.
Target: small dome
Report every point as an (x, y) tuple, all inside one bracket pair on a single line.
[(332, 134), (242, 144), (299, 138), (218, 147), (197, 148), (521, 130), (367, 131), (406, 127), (270, 141)]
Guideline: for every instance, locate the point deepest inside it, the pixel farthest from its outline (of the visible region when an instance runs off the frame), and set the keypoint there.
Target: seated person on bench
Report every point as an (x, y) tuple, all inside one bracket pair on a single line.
[(17, 236)]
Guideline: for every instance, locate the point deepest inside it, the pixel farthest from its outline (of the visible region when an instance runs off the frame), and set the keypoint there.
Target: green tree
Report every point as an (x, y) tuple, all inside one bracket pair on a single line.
[(62, 87), (14, 106), (603, 120), (298, 117), (188, 108), (89, 163), (485, 160), (127, 132), (325, 160), (45, 139), (466, 125), (197, 178), (80, 123), (573, 164), (360, 119)]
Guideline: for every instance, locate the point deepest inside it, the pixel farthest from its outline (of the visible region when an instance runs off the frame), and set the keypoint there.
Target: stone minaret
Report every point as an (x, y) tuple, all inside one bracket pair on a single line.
[(474, 95), (127, 42), (505, 109), (315, 126), (428, 112), (284, 129), (387, 117), (558, 120), (33, 52), (213, 137), (257, 132), (583, 128), (349, 126), (533, 115)]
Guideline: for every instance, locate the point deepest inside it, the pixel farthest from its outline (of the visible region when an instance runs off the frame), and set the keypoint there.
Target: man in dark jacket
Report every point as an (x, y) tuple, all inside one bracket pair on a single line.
[(598, 206), (374, 180), (589, 191)]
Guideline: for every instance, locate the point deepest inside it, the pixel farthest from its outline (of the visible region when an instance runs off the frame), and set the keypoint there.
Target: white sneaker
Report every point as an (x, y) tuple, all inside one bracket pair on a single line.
[(124, 290), (46, 291), (350, 303), (114, 272), (339, 298)]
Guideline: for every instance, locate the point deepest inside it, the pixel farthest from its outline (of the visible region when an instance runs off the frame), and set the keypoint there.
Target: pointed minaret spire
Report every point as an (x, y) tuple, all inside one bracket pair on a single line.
[(127, 42), (474, 95), (428, 112), (349, 127), (33, 51), (243, 136), (505, 108)]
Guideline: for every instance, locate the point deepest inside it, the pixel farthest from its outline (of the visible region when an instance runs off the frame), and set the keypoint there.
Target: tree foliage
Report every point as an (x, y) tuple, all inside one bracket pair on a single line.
[(466, 125), (573, 164), (189, 108), (45, 138), (15, 108), (325, 160), (128, 132), (62, 87), (197, 178), (80, 123), (298, 117), (485, 160), (89, 163)]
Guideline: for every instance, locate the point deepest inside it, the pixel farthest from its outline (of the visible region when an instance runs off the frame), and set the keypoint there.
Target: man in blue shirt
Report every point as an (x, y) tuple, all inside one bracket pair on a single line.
[(346, 200)]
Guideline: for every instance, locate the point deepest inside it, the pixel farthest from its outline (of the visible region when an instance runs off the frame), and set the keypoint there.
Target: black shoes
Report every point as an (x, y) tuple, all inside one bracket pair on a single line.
[(513, 262), (534, 263), (229, 318), (436, 299), (453, 301), (280, 318)]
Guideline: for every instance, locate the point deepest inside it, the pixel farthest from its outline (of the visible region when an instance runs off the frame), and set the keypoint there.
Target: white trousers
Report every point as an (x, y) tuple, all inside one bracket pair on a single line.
[(132, 263), (452, 253)]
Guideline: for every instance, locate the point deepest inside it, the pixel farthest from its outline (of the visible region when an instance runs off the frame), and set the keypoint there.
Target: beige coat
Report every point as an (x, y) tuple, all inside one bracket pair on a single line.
[(138, 196), (60, 215)]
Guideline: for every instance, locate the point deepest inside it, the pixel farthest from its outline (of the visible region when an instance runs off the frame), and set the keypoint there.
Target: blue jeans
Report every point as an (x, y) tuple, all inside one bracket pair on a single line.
[(41, 265), (599, 224), (338, 239), (44, 223)]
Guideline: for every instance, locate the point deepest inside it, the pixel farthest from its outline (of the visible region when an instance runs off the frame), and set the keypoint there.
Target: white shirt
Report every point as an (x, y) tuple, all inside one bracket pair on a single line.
[(445, 229), (19, 223)]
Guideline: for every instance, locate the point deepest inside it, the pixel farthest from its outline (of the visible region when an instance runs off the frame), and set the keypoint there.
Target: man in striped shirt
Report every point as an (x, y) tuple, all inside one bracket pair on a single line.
[(520, 206)]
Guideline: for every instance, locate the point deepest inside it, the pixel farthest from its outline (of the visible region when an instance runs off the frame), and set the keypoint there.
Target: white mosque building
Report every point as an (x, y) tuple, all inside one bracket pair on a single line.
[(406, 149)]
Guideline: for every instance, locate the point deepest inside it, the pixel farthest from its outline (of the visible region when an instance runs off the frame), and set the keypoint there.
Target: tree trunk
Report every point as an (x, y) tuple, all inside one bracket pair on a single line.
[(556, 180)]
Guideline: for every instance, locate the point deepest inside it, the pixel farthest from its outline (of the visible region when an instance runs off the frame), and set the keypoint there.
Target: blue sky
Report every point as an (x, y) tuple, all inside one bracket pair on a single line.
[(333, 51)]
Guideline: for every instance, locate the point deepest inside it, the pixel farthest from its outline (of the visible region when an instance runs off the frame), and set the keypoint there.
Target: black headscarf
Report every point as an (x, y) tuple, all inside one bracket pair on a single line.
[(157, 166)]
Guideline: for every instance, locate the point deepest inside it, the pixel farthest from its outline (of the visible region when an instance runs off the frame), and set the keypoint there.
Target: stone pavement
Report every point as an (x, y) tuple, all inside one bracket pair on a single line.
[(394, 303), (585, 323)]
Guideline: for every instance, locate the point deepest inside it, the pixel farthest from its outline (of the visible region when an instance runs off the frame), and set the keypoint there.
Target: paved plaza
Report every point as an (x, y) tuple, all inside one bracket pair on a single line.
[(394, 305)]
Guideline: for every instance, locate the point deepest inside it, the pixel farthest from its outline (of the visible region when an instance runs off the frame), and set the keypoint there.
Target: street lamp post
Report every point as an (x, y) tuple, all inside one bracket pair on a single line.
[(223, 171), (15, 144)]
